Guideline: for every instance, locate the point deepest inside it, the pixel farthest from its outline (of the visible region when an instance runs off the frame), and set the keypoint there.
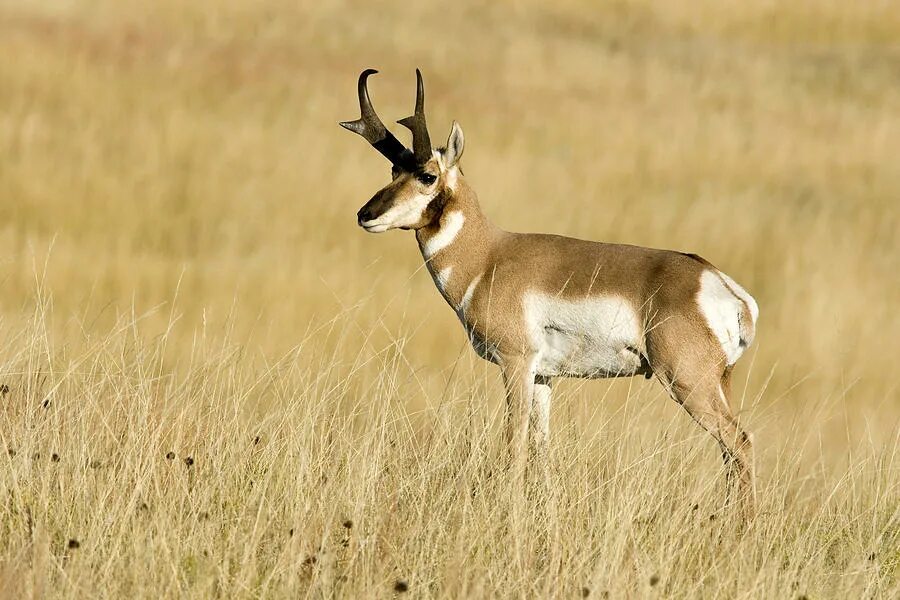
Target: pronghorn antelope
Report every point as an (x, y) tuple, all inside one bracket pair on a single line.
[(543, 306)]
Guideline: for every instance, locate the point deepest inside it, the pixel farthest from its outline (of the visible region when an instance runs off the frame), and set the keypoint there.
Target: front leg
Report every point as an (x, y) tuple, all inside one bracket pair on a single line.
[(539, 425), (518, 378)]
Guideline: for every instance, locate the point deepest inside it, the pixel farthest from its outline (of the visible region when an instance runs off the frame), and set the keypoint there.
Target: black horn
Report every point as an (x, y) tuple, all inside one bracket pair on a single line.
[(370, 127), (416, 124)]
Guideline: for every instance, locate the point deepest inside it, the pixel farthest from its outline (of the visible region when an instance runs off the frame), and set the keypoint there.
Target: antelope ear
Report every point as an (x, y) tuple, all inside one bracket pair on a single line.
[(455, 145)]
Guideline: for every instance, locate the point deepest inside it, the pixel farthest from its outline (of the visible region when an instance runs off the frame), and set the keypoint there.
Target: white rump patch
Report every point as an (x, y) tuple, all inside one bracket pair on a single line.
[(742, 294), (722, 309), (593, 337), (451, 224)]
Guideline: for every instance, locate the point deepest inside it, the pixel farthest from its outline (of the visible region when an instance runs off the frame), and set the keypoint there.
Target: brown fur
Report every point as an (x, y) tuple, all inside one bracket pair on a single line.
[(658, 283)]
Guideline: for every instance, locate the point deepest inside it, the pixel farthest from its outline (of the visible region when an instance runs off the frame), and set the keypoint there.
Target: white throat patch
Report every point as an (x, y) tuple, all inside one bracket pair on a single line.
[(450, 226)]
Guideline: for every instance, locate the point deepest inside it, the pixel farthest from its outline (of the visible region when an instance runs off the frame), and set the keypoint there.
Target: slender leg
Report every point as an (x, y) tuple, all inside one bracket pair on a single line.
[(740, 458), (540, 414), (518, 377), (697, 377), (705, 400)]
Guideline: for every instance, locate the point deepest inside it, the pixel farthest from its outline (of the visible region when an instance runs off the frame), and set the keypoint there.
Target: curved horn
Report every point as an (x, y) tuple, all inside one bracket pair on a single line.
[(372, 129), (416, 124)]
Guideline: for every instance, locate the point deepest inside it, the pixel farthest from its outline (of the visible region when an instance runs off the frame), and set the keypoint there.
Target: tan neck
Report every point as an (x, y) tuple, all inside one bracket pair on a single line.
[(457, 246)]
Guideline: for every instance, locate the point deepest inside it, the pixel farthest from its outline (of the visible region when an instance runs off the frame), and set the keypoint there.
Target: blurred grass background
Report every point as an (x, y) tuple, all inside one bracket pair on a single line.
[(149, 144), (183, 158)]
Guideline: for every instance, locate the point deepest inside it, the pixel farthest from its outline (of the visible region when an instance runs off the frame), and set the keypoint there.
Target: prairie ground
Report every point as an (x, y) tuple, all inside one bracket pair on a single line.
[(213, 384)]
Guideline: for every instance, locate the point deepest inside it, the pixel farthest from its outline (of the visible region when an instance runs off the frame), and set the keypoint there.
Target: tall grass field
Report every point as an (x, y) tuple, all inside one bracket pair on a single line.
[(213, 384)]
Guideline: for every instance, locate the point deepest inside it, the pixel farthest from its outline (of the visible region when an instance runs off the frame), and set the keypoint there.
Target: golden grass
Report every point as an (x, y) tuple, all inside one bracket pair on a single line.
[(180, 271)]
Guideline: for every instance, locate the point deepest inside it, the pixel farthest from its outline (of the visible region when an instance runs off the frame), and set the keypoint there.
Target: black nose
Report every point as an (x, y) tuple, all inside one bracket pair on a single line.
[(364, 214)]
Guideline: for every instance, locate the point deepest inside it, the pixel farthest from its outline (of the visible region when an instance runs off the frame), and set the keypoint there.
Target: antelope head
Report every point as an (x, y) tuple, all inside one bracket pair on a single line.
[(422, 178)]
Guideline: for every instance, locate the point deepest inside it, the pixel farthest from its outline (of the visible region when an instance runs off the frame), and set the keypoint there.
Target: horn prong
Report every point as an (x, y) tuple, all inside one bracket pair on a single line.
[(356, 126), (370, 127)]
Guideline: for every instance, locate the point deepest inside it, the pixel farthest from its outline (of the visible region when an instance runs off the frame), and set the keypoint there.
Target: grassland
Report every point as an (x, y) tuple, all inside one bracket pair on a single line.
[(181, 278)]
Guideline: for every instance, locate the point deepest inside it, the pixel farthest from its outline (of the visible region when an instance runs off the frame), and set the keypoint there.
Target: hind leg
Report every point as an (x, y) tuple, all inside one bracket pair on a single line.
[(690, 363), (739, 454), (696, 377), (705, 401)]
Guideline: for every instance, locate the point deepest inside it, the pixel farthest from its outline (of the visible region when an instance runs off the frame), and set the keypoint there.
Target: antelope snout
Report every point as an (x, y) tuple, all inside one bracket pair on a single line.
[(371, 216), (367, 218), (364, 215)]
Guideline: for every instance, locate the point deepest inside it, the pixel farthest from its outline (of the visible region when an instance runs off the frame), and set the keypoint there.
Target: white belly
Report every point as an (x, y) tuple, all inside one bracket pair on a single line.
[(595, 337)]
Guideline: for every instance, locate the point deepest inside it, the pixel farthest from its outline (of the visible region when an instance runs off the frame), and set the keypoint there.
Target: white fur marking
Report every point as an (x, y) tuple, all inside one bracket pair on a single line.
[(450, 175), (722, 309), (403, 214), (443, 278), (593, 337), (374, 226), (742, 294), (722, 398), (451, 224), (541, 407), (467, 297)]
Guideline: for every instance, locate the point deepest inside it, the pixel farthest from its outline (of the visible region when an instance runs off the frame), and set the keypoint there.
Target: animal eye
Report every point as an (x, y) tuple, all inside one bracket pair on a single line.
[(426, 178)]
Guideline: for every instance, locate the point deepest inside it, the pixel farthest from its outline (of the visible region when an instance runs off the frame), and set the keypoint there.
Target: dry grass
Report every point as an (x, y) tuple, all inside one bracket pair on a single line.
[(180, 271)]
